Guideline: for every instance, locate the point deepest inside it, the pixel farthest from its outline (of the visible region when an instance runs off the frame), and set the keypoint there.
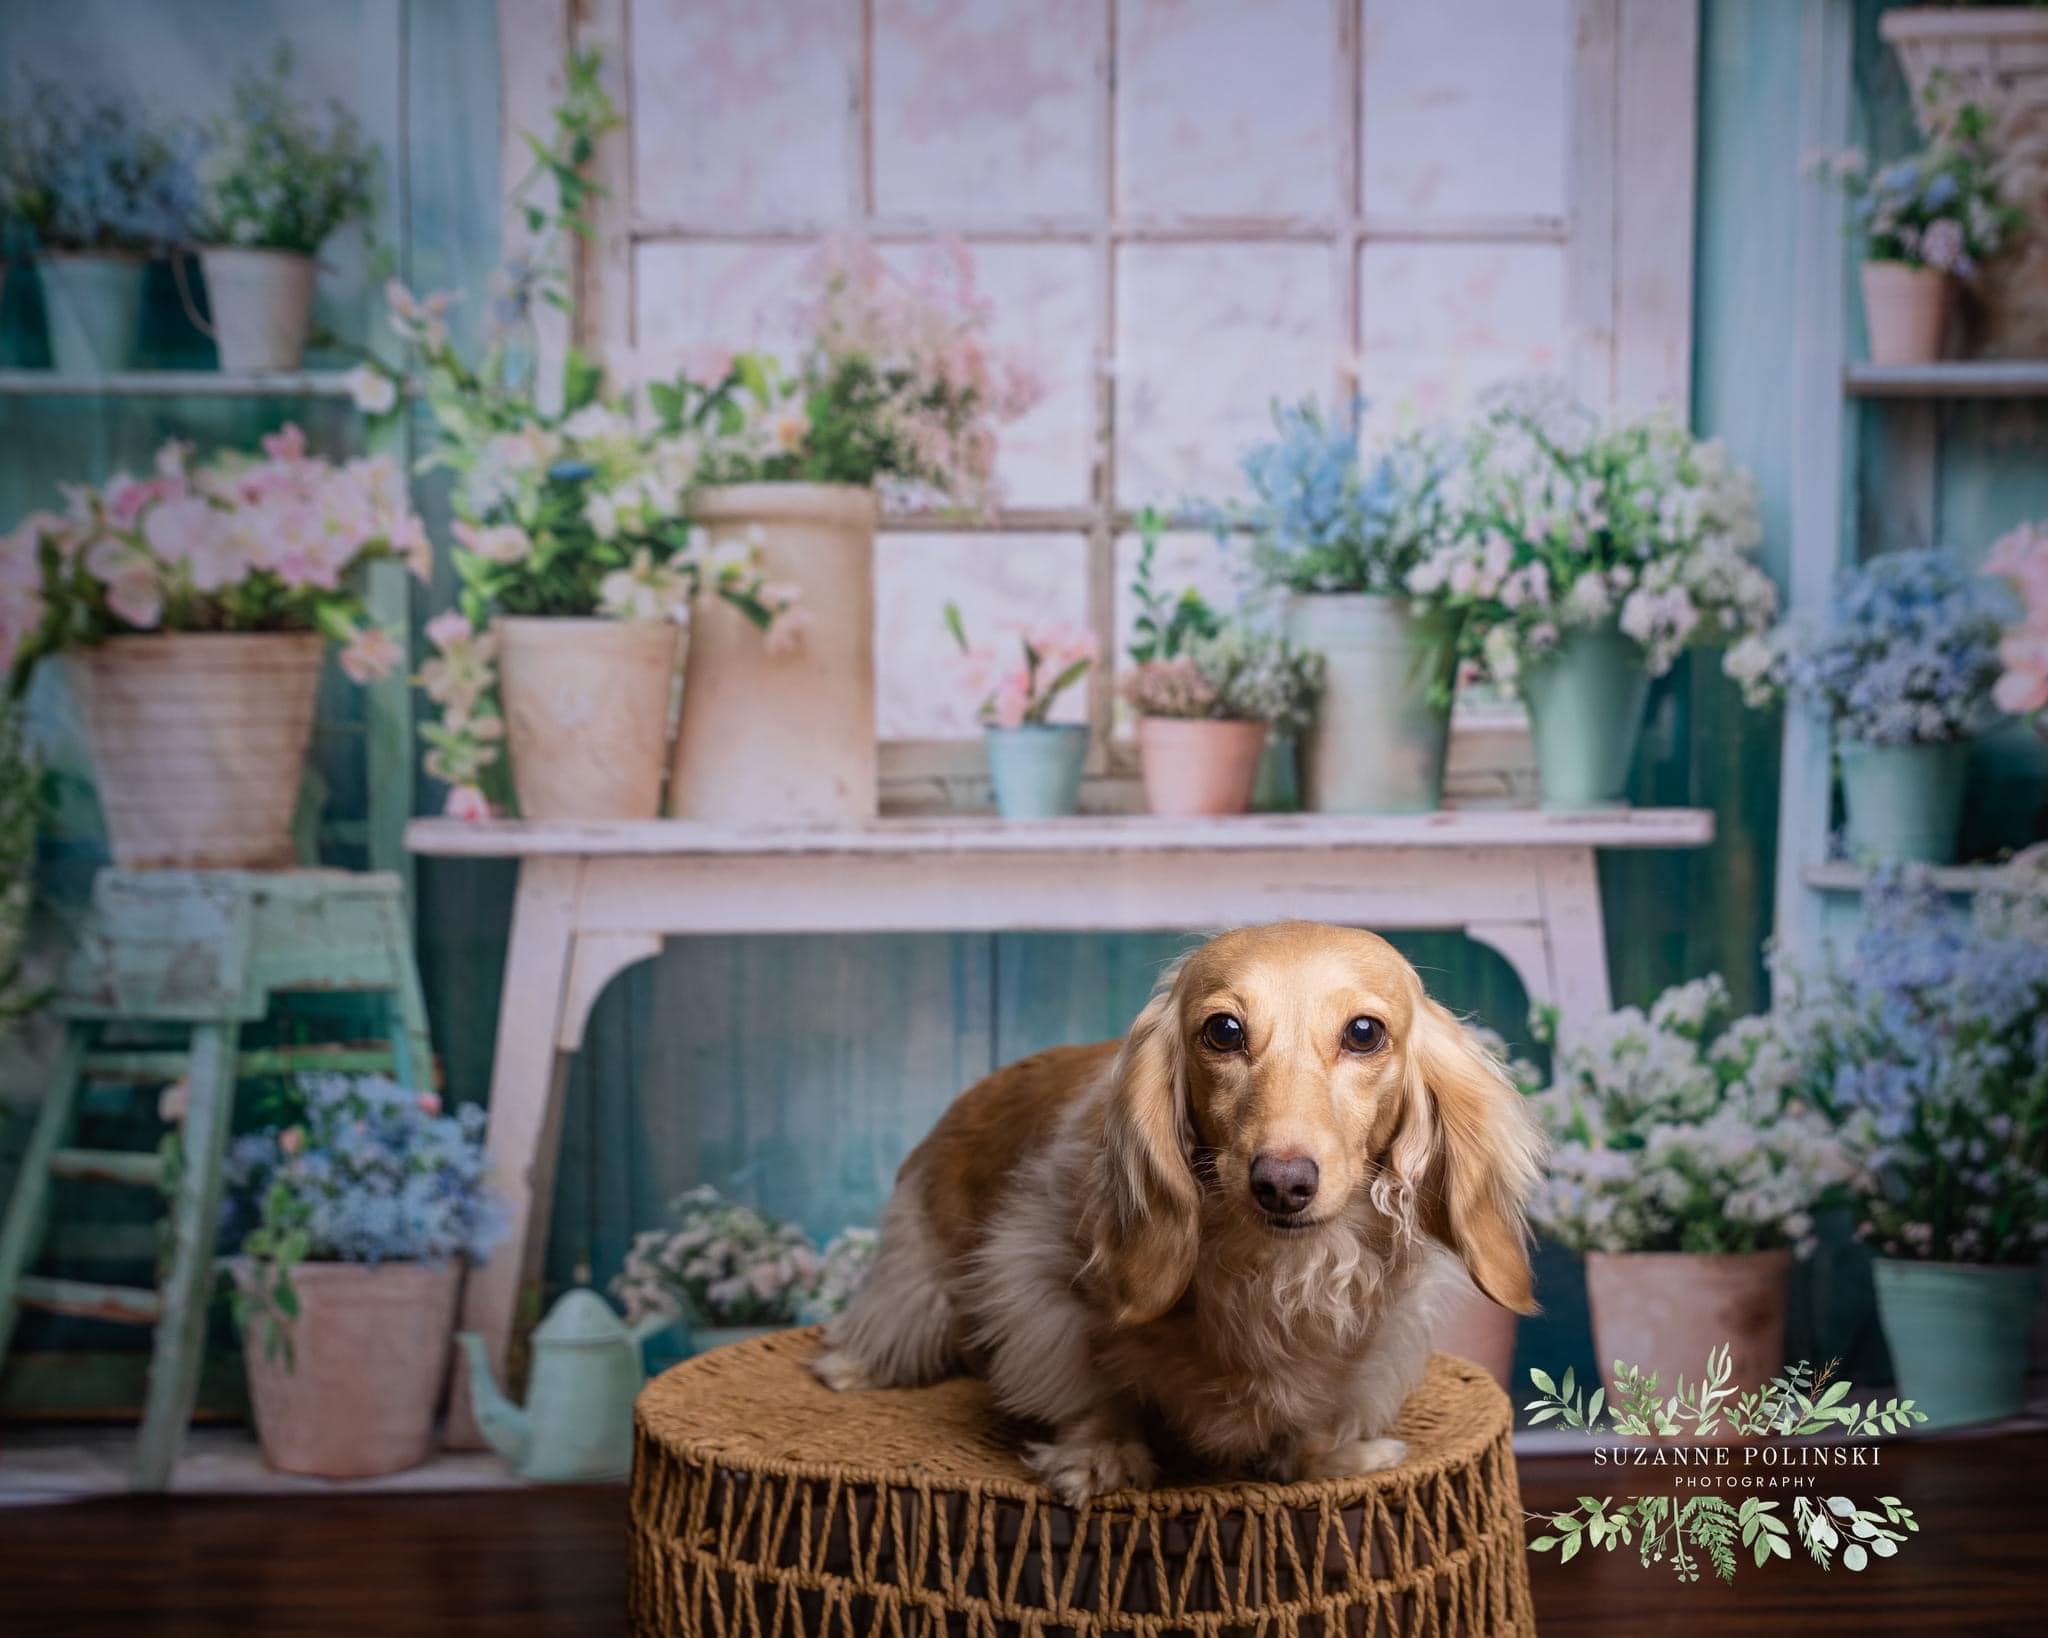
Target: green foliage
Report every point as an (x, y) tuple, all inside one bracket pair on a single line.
[(1667, 1529), (1165, 624), (1798, 1401), (280, 177)]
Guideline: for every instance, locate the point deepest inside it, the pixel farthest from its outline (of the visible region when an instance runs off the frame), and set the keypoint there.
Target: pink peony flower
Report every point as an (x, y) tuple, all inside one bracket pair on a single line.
[(370, 655), (467, 803)]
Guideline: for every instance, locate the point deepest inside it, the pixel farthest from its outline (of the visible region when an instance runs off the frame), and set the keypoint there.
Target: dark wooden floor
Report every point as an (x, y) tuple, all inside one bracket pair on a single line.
[(517, 1562)]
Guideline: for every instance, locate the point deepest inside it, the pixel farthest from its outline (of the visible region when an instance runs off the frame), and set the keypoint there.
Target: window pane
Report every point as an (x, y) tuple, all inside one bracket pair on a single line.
[(1464, 106), (695, 296), (1226, 107), (1211, 335), (1440, 322), (740, 109), (989, 110), (999, 582)]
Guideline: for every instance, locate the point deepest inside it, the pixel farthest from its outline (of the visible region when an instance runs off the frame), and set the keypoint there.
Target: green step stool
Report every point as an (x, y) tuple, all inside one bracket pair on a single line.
[(206, 953)]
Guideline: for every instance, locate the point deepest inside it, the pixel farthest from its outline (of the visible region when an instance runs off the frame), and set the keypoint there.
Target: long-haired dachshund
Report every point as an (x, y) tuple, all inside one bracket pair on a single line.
[(1229, 1233)]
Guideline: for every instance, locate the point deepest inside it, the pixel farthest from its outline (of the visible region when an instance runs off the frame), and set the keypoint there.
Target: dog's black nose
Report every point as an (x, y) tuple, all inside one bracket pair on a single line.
[(1284, 1184)]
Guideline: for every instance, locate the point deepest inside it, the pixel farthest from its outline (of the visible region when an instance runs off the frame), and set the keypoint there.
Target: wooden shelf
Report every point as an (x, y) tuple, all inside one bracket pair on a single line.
[(1467, 828), (1841, 876), (1962, 378), (173, 384)]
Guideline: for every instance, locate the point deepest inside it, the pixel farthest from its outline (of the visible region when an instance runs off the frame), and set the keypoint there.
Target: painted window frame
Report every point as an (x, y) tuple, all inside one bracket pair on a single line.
[(1627, 235)]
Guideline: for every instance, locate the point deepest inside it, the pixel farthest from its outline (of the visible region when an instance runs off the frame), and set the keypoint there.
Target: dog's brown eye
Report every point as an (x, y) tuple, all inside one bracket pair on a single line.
[(1222, 1033), (1364, 1035)]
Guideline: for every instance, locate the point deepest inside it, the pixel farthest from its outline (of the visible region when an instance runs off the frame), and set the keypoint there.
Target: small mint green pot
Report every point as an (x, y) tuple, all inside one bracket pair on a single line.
[(93, 305), (1958, 1336), (1036, 768), (1903, 801), (1585, 699)]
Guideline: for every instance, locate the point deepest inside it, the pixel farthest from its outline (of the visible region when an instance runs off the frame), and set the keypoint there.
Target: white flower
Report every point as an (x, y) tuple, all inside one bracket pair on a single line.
[(372, 391)]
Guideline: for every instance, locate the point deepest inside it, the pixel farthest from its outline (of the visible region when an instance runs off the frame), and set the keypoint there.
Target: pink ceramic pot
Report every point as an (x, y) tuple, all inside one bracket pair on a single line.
[(1666, 1311), (1198, 766), (1475, 1327), (1906, 310)]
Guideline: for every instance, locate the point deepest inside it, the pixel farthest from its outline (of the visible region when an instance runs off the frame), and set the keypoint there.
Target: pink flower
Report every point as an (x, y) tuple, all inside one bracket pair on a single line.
[(126, 498), (409, 541), (707, 366), (292, 1139), (496, 542), (467, 803), (1012, 701), (172, 1103), (448, 628), (288, 443), (137, 596), (430, 1103), (371, 655), (787, 630)]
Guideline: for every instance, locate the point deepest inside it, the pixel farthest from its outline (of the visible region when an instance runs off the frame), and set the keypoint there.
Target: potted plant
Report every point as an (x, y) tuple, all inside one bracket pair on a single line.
[(351, 1224), (1342, 540), (101, 193), (279, 181), (2020, 558), (1588, 555), (1687, 1160), (193, 608), (1928, 221), (1905, 670), (1989, 58), (1928, 1044), (1204, 715), (578, 566), (1034, 763), (896, 392), (730, 1271)]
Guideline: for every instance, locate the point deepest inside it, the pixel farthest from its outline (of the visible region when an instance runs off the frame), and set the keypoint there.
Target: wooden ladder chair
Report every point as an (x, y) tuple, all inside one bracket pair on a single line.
[(202, 954)]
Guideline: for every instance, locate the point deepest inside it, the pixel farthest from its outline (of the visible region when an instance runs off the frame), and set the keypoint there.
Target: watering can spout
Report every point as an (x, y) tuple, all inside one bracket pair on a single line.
[(650, 1326), (504, 1424)]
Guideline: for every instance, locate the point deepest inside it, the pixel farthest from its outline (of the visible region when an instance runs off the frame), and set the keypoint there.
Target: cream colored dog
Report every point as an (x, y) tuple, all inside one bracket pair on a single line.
[(1229, 1233)]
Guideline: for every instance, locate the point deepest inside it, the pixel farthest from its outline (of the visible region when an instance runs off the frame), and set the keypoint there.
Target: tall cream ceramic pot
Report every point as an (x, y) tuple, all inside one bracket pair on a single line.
[(1382, 727), (586, 714), (1666, 1311), (775, 736), (199, 744), (369, 1358)]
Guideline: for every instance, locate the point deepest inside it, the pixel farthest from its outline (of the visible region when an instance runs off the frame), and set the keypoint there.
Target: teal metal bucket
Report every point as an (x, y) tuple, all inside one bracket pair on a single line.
[(93, 306), (1585, 700), (1036, 769), (1383, 721), (1903, 801), (1277, 789), (1958, 1336)]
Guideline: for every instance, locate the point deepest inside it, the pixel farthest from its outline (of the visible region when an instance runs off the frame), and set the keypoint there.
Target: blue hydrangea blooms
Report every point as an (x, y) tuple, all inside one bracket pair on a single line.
[(1909, 655), (1932, 1044), (373, 1173), (97, 177)]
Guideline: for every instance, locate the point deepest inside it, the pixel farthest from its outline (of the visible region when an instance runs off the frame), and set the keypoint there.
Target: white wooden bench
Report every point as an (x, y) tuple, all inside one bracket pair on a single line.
[(595, 898)]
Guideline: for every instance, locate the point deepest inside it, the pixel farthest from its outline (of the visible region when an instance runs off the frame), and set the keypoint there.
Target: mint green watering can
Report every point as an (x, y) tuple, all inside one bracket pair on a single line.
[(577, 1422)]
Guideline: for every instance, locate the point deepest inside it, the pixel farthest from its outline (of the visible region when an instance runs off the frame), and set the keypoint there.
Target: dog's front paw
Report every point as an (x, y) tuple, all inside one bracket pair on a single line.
[(841, 1371), (1078, 1466), (1353, 1457)]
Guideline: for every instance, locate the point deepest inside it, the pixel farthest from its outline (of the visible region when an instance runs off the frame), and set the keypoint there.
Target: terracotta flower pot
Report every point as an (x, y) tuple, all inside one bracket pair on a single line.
[(1666, 1311), (199, 744), (586, 714), (261, 304), (1473, 1326), (784, 735), (369, 1360), (1198, 765), (1906, 311)]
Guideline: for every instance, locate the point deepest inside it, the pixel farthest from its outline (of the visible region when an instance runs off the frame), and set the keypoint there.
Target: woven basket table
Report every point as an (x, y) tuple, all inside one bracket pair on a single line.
[(765, 1506)]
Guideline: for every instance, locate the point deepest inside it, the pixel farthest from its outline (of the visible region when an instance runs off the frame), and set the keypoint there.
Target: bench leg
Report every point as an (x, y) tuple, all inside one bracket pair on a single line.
[(187, 1290), (1575, 929), (526, 1088)]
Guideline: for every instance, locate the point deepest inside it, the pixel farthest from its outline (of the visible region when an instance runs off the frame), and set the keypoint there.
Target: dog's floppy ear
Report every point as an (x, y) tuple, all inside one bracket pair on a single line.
[(1484, 1153), (1144, 1212)]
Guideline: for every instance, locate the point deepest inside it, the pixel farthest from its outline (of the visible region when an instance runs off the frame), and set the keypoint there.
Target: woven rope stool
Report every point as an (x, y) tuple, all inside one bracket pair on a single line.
[(764, 1506)]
